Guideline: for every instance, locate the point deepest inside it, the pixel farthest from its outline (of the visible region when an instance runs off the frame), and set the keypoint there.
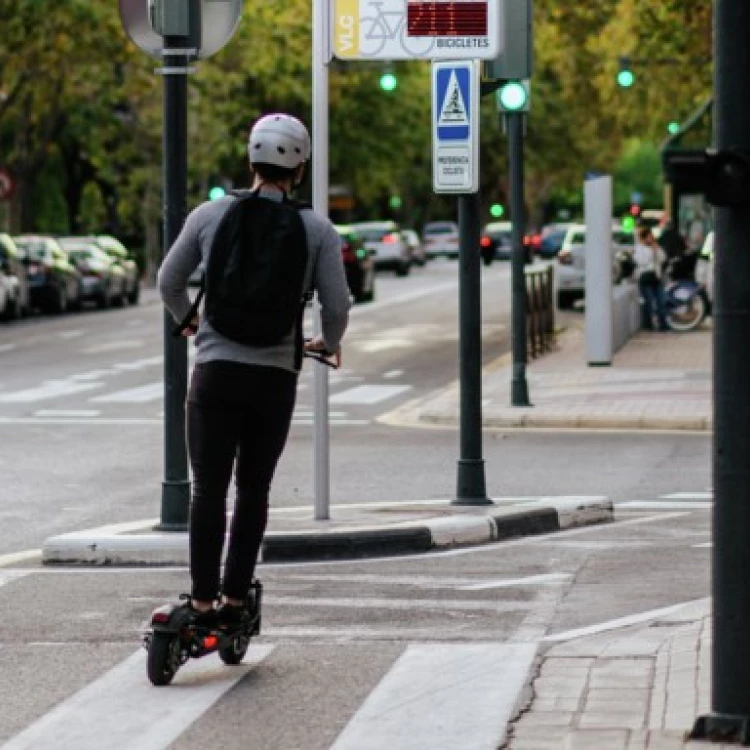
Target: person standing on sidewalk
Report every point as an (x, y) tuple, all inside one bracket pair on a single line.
[(241, 396), (649, 262)]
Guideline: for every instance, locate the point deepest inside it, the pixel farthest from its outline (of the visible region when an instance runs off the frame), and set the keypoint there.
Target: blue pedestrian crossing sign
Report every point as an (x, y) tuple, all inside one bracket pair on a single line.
[(455, 132)]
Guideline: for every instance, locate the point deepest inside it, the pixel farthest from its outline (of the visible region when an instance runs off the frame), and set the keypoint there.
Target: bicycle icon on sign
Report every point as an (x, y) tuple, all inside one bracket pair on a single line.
[(387, 26)]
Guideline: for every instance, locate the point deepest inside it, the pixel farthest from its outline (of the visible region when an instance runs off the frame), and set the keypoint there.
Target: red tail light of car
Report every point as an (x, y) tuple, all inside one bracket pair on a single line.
[(390, 239), (485, 242)]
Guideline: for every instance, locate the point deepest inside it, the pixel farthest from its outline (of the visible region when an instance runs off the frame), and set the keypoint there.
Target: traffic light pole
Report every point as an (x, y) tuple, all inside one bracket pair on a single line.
[(470, 484), (175, 499), (729, 720), (519, 387)]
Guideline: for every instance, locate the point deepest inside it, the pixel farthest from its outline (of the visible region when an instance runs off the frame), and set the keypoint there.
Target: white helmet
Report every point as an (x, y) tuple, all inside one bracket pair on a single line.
[(280, 140)]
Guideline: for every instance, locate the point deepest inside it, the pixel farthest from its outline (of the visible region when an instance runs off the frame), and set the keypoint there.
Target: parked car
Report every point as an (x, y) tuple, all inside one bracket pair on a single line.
[(571, 262), (14, 281), (418, 254), (55, 284), (496, 242), (104, 279), (389, 248), (704, 272), (359, 264), (440, 238), (116, 250)]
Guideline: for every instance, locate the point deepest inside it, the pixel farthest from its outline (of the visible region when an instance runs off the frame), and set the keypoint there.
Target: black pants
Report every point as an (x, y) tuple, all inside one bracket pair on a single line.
[(238, 416)]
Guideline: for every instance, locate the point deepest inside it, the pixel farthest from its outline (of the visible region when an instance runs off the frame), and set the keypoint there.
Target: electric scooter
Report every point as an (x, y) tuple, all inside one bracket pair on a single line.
[(173, 637)]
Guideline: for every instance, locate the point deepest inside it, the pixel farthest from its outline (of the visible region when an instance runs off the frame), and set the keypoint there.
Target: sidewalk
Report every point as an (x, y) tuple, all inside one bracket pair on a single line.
[(658, 381), (634, 688)]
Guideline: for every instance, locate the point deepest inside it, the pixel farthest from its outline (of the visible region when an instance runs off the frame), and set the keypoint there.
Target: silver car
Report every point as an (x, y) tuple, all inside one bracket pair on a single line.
[(440, 238), (386, 241)]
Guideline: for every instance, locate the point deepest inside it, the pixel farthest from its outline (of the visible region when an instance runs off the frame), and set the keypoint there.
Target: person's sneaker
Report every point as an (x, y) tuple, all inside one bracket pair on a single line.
[(203, 620), (231, 616)]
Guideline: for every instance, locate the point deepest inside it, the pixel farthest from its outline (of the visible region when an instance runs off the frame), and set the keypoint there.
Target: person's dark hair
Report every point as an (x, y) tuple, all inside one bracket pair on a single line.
[(644, 233), (272, 172)]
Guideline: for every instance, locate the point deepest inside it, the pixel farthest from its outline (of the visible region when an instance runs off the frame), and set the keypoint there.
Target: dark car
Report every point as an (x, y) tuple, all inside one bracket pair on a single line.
[(118, 252), (104, 280), (14, 281), (359, 264), (496, 241), (55, 284), (552, 239)]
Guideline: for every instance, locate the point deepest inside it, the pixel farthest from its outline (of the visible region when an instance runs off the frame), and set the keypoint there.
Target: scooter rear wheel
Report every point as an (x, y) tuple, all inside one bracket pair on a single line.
[(163, 658)]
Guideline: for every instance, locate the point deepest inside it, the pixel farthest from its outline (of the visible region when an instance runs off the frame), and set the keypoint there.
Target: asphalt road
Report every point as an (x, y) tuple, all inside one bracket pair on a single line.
[(388, 651)]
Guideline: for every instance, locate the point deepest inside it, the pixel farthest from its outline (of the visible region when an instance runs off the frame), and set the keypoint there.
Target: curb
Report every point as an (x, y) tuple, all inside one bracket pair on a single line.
[(583, 422), (497, 524)]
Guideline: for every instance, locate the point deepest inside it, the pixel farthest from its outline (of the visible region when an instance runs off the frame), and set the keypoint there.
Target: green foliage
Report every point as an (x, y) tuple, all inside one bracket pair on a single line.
[(81, 111)]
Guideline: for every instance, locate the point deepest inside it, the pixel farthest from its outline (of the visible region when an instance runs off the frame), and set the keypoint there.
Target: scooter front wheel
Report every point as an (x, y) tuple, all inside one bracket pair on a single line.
[(163, 658), (234, 652)]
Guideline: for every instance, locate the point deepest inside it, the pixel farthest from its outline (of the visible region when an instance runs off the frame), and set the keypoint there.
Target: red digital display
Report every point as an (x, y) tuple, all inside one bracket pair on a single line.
[(447, 18)]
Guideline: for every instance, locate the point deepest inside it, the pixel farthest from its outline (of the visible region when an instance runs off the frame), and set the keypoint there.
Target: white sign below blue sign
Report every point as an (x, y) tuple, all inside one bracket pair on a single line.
[(455, 131)]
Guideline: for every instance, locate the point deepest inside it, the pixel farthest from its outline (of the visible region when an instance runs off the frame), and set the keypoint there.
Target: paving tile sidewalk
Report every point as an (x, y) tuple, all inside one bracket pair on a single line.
[(636, 688), (658, 381)]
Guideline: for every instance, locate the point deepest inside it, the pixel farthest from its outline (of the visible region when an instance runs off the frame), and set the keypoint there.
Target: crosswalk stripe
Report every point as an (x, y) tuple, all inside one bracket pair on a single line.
[(368, 394), (123, 711), (51, 389), (442, 697), (689, 496), (142, 394)]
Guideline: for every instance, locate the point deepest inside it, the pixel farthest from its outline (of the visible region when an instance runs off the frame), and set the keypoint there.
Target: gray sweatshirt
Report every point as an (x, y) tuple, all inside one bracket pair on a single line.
[(325, 273)]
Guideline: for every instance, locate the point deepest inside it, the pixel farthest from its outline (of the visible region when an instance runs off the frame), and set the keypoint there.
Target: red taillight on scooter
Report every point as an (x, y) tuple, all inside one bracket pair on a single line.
[(210, 641), (160, 618)]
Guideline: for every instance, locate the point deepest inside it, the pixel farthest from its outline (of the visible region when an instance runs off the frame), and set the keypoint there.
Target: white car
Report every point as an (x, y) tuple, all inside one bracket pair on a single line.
[(440, 238), (571, 262), (386, 241)]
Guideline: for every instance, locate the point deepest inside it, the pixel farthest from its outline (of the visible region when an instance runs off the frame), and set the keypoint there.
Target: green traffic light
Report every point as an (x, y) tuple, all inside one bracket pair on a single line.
[(395, 202), (496, 210), (628, 224), (625, 78), (388, 82), (216, 192), (674, 127), (513, 96)]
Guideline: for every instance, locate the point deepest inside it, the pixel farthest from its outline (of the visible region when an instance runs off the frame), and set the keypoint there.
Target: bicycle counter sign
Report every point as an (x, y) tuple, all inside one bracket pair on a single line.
[(414, 29)]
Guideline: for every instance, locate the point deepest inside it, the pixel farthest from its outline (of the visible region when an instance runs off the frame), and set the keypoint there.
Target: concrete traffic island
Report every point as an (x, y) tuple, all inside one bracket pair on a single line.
[(357, 532)]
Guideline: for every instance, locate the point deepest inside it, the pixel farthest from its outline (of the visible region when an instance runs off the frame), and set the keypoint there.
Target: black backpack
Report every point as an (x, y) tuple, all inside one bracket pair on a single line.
[(255, 276)]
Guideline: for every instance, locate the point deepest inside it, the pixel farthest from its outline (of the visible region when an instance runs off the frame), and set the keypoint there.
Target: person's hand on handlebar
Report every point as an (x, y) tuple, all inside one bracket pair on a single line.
[(318, 346)]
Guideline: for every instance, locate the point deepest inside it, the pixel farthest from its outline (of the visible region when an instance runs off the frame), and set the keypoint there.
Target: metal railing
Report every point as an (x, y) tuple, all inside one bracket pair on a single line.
[(540, 309)]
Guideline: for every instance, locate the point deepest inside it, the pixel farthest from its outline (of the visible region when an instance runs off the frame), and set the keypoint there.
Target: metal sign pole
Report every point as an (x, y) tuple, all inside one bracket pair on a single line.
[(470, 484), (321, 38), (175, 500), (519, 386)]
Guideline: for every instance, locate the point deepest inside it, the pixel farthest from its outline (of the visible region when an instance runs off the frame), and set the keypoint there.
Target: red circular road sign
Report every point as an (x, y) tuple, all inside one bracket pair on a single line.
[(7, 185)]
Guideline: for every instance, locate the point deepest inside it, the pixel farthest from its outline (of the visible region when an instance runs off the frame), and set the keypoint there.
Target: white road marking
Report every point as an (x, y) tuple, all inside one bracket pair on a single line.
[(442, 697), (6, 576), (67, 413), (620, 622), (48, 390), (689, 496), (139, 364), (70, 334), (112, 346), (549, 578), (95, 421), (142, 394), (368, 394), (704, 545), (339, 422), (383, 345), (665, 505), (92, 375), (122, 710), (392, 374), (379, 603), (306, 413), (7, 347)]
